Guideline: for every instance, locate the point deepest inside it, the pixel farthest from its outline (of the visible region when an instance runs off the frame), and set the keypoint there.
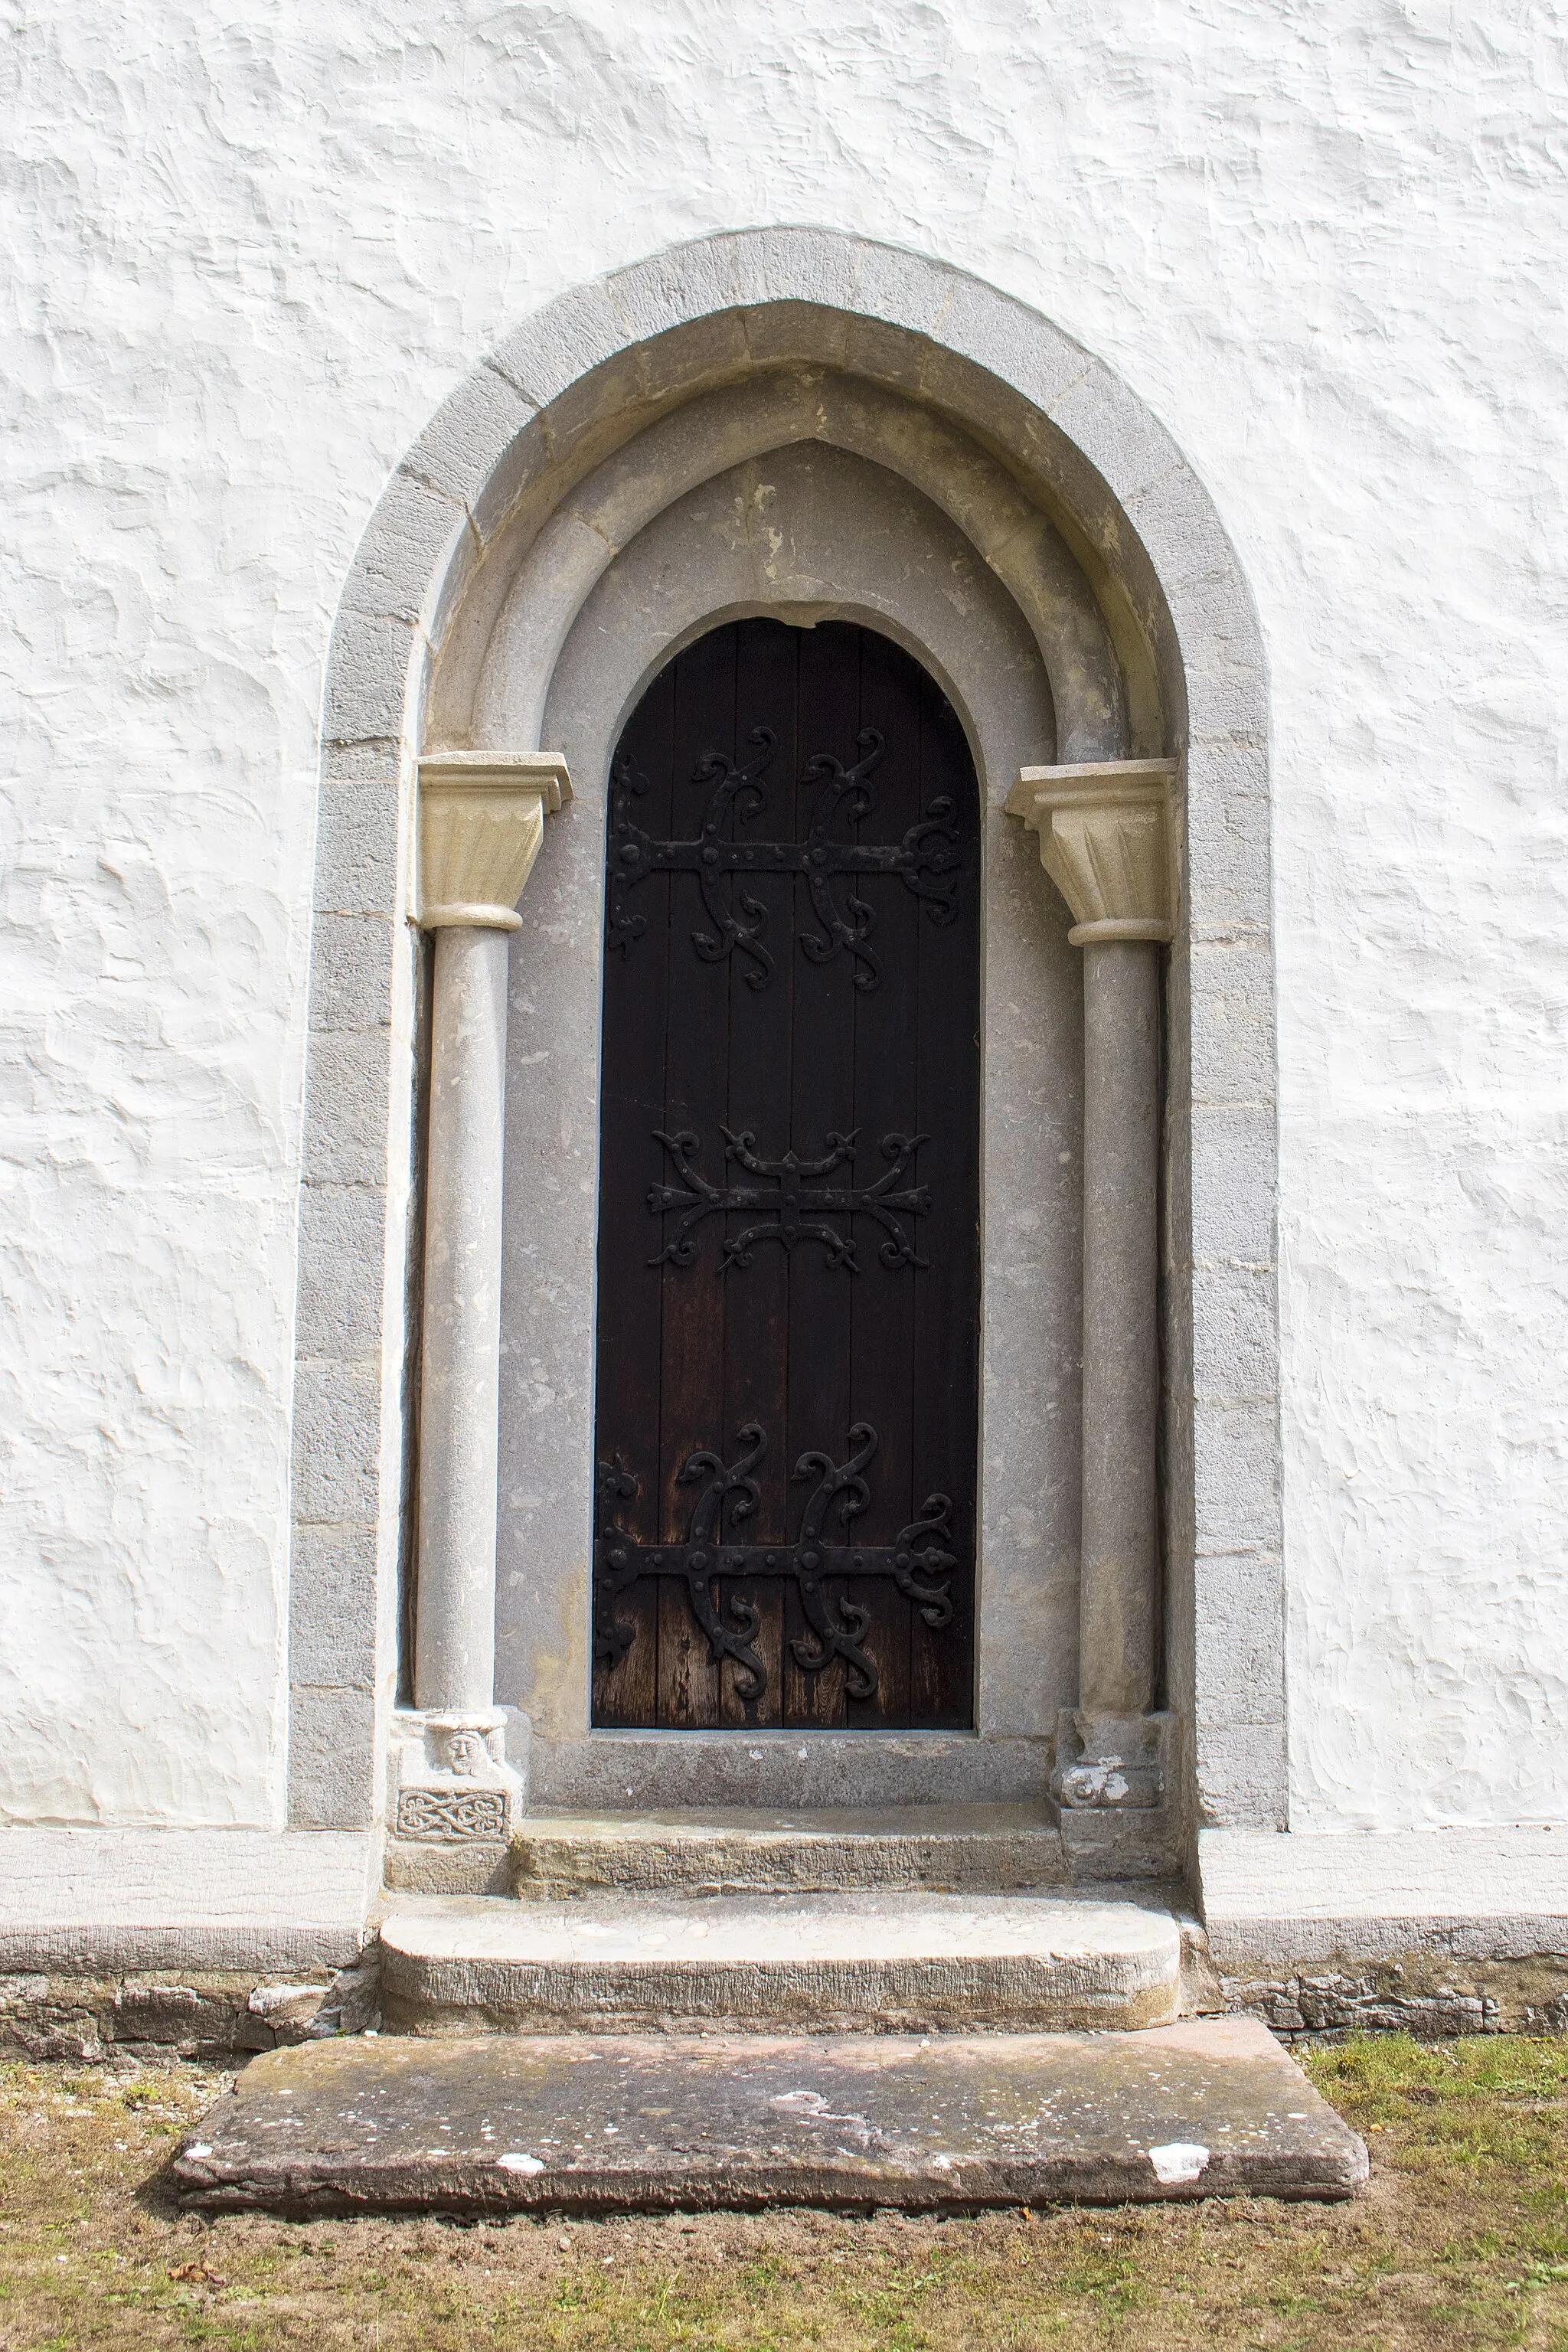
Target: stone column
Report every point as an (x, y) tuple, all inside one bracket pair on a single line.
[(1105, 842), (457, 1797)]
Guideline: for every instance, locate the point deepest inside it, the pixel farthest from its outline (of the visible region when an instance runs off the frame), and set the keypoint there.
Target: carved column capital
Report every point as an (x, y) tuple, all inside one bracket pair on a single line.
[(482, 820), (1105, 841)]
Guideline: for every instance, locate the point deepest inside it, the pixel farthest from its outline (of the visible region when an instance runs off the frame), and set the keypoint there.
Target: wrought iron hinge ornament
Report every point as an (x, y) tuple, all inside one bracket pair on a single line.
[(791, 1190), (918, 1562), (927, 859)]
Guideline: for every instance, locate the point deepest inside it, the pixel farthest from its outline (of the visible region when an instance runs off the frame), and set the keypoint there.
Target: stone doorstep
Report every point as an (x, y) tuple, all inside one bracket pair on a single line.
[(812, 1962), (953, 1848), (572, 2124)]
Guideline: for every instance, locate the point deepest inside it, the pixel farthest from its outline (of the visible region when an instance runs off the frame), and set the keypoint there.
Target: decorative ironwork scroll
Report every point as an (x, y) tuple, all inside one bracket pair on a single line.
[(927, 859), (918, 1562), (790, 1189)]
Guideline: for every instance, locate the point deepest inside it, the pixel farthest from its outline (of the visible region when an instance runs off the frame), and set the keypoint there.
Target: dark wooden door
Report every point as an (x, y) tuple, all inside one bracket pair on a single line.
[(789, 1249)]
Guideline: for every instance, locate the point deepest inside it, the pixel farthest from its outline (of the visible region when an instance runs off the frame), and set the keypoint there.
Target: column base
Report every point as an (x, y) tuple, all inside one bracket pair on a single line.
[(454, 1800), (1113, 1782)]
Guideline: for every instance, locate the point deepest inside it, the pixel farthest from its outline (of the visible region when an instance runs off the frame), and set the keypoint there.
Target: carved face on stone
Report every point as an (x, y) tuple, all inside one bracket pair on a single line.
[(467, 1754)]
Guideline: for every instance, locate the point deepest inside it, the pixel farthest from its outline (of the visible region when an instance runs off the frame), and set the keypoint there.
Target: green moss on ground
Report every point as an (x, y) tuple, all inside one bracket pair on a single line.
[(1462, 2241)]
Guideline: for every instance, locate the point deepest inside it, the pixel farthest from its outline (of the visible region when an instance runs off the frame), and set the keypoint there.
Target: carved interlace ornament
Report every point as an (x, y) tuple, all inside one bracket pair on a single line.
[(452, 1813)]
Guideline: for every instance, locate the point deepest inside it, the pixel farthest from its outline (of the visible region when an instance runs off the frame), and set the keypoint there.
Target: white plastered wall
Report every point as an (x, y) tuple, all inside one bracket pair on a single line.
[(251, 257)]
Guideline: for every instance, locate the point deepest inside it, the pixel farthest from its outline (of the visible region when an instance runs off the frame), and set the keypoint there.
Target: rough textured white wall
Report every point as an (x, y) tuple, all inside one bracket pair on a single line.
[(248, 251)]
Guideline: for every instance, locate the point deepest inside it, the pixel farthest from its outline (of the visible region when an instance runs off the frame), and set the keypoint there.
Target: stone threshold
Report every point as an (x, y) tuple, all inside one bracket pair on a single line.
[(657, 1770), (604, 2125), (553, 1857), (728, 1850)]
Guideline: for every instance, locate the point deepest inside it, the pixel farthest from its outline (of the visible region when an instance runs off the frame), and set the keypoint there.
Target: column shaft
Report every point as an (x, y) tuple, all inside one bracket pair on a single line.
[(460, 1378), (1120, 1348)]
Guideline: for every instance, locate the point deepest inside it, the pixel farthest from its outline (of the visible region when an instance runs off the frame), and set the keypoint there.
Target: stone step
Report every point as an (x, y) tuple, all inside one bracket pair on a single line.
[(1213, 2108), (889, 1961), (956, 1849)]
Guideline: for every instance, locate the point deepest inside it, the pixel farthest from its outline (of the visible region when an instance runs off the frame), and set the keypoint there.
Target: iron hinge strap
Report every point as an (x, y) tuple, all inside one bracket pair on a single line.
[(918, 1563)]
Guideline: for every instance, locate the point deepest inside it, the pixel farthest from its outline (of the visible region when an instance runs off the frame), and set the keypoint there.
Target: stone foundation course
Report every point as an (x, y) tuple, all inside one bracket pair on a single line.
[(218, 2017), (1433, 2003)]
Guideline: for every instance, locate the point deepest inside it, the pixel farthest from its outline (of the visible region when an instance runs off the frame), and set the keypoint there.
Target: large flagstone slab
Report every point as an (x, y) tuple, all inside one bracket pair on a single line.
[(1213, 2107)]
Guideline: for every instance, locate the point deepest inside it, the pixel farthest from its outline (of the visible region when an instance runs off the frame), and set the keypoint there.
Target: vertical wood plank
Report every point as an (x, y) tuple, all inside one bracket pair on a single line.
[(822, 1102), (757, 1297), (947, 1314), (636, 982), (887, 1060), (696, 1061)]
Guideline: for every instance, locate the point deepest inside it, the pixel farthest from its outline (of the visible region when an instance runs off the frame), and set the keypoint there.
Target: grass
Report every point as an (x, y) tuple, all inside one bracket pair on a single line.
[(1461, 2240)]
